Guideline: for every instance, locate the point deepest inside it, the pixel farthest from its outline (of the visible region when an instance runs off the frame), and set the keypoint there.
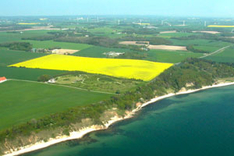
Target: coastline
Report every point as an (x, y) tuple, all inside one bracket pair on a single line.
[(79, 134)]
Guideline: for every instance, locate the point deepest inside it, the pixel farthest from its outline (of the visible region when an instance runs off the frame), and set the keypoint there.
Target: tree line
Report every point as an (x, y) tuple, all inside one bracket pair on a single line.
[(196, 72), (22, 46)]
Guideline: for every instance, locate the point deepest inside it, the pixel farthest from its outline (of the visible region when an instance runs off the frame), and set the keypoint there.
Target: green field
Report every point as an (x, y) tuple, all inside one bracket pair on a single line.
[(106, 31), (23, 98), (200, 42), (170, 56), (13, 37), (23, 101), (178, 34), (153, 55), (225, 56), (16, 37), (97, 82), (96, 51), (8, 57), (26, 73), (207, 48), (64, 45), (101, 30)]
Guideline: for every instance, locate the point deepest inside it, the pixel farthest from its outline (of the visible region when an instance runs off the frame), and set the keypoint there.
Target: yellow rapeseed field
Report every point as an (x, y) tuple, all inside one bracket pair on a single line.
[(221, 26), (125, 68), (28, 23)]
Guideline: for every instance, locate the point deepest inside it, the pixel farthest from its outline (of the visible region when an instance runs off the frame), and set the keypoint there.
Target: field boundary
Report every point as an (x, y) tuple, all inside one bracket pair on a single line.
[(215, 52), (77, 88)]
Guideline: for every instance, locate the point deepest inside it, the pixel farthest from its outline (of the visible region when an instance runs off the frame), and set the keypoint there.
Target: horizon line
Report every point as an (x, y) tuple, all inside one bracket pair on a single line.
[(178, 16)]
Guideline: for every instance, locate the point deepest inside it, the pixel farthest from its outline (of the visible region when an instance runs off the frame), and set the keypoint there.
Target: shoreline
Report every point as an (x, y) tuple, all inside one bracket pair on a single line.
[(79, 134)]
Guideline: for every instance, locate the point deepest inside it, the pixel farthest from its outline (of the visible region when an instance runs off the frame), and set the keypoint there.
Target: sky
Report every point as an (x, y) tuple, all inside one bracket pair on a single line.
[(198, 8)]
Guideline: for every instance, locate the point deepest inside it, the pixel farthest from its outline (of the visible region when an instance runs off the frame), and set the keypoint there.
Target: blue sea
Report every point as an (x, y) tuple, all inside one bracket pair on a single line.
[(197, 124)]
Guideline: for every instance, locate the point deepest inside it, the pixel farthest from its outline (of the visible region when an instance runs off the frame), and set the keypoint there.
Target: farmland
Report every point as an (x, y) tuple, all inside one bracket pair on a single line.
[(162, 47), (94, 72), (26, 73), (221, 26), (97, 82), (97, 51), (152, 55), (170, 56), (132, 69), (16, 36), (170, 35), (28, 23), (36, 100), (200, 42), (207, 48), (8, 57), (226, 56), (64, 45)]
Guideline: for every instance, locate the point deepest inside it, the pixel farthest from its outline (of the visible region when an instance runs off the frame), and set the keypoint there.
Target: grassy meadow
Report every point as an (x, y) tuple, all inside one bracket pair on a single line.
[(178, 34), (226, 56), (90, 76), (200, 42), (152, 55), (208, 48), (64, 45), (98, 52), (27, 73), (8, 57), (97, 82), (23, 101), (170, 56), (17, 36)]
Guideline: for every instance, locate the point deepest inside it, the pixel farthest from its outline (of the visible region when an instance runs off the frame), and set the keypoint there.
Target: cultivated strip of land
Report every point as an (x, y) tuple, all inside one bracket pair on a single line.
[(63, 86), (37, 100), (123, 68), (215, 52), (79, 134), (160, 47)]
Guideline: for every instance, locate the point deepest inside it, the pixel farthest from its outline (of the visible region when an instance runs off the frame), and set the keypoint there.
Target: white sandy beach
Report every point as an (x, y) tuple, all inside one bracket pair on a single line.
[(84, 131)]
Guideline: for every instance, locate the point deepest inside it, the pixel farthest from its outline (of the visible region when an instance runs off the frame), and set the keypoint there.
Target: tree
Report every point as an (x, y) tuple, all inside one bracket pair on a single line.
[(44, 78)]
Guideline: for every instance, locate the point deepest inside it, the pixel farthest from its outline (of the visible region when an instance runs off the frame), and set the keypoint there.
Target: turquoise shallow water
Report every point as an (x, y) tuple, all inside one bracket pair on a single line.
[(198, 124)]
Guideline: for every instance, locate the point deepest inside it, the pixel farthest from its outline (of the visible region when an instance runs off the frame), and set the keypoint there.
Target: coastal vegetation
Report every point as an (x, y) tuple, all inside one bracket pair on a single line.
[(37, 100), (109, 79), (96, 82), (189, 74)]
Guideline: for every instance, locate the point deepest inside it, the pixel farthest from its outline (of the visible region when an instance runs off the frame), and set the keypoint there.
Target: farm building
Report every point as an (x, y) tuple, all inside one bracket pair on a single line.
[(2, 79), (113, 54)]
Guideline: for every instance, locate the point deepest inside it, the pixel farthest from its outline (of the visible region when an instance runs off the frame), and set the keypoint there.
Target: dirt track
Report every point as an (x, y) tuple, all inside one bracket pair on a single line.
[(64, 51), (207, 32), (162, 47), (167, 47), (168, 32)]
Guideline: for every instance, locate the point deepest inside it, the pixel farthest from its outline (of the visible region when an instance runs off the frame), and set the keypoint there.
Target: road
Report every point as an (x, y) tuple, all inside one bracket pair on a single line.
[(215, 52)]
